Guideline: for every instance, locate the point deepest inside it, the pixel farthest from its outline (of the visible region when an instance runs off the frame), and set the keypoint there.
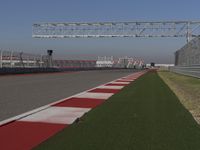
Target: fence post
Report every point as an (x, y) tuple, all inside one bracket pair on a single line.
[(28, 61), (1, 58), (11, 59)]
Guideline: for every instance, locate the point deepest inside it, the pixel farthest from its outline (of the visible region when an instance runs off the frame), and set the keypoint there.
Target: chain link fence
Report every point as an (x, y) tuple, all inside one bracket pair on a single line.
[(187, 59)]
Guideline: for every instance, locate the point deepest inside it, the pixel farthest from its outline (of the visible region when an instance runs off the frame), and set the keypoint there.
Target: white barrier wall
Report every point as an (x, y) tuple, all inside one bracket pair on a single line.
[(193, 71)]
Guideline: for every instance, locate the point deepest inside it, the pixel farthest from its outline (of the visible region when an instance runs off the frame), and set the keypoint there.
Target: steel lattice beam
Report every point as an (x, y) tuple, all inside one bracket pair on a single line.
[(117, 29)]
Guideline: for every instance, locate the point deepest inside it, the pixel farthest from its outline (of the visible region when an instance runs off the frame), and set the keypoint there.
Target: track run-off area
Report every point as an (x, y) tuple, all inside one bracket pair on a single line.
[(135, 111)]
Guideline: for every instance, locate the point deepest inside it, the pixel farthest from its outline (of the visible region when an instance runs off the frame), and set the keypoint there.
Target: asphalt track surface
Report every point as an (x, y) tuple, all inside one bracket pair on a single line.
[(22, 93)]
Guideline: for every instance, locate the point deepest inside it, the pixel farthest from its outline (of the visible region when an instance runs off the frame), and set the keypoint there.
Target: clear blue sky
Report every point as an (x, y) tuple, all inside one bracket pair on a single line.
[(17, 17)]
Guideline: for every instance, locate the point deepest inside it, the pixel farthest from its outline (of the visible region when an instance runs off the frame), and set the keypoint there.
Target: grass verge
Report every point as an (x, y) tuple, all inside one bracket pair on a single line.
[(187, 90), (146, 115)]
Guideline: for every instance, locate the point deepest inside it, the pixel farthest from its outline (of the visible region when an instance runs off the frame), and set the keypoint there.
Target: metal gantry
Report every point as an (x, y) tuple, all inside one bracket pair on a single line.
[(186, 29)]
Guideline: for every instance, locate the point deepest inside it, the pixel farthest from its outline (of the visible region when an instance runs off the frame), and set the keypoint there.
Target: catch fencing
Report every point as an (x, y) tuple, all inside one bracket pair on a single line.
[(11, 59)]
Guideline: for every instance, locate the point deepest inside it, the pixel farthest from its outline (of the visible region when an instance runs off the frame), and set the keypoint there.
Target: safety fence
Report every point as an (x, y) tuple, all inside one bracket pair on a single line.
[(12, 62), (11, 59)]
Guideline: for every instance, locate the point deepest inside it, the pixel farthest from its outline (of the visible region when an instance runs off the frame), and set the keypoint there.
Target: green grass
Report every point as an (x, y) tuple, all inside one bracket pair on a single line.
[(187, 89), (146, 115)]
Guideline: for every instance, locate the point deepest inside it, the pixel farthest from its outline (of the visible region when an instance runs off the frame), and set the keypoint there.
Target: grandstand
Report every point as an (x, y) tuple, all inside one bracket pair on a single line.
[(74, 63), (129, 62), (105, 61), (122, 62)]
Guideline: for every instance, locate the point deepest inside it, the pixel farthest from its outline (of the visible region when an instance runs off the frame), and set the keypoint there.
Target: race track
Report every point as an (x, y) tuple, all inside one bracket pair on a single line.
[(22, 93)]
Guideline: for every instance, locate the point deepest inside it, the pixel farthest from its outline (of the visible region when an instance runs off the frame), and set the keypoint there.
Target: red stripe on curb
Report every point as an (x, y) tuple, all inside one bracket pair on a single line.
[(26, 135), (99, 90), (80, 102)]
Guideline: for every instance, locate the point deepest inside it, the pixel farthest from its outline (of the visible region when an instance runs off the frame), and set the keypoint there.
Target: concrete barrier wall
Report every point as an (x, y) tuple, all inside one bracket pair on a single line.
[(193, 71), (5, 71)]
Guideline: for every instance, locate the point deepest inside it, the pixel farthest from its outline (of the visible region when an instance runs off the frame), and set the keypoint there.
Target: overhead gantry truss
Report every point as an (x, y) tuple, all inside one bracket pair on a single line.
[(186, 29)]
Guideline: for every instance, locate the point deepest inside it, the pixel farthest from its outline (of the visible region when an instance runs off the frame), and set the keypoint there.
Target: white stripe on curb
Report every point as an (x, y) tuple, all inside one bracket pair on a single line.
[(95, 95), (57, 115), (119, 82), (114, 87), (124, 80)]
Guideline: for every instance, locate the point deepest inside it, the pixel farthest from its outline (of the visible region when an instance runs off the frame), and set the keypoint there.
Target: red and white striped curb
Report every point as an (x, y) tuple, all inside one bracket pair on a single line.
[(30, 129)]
